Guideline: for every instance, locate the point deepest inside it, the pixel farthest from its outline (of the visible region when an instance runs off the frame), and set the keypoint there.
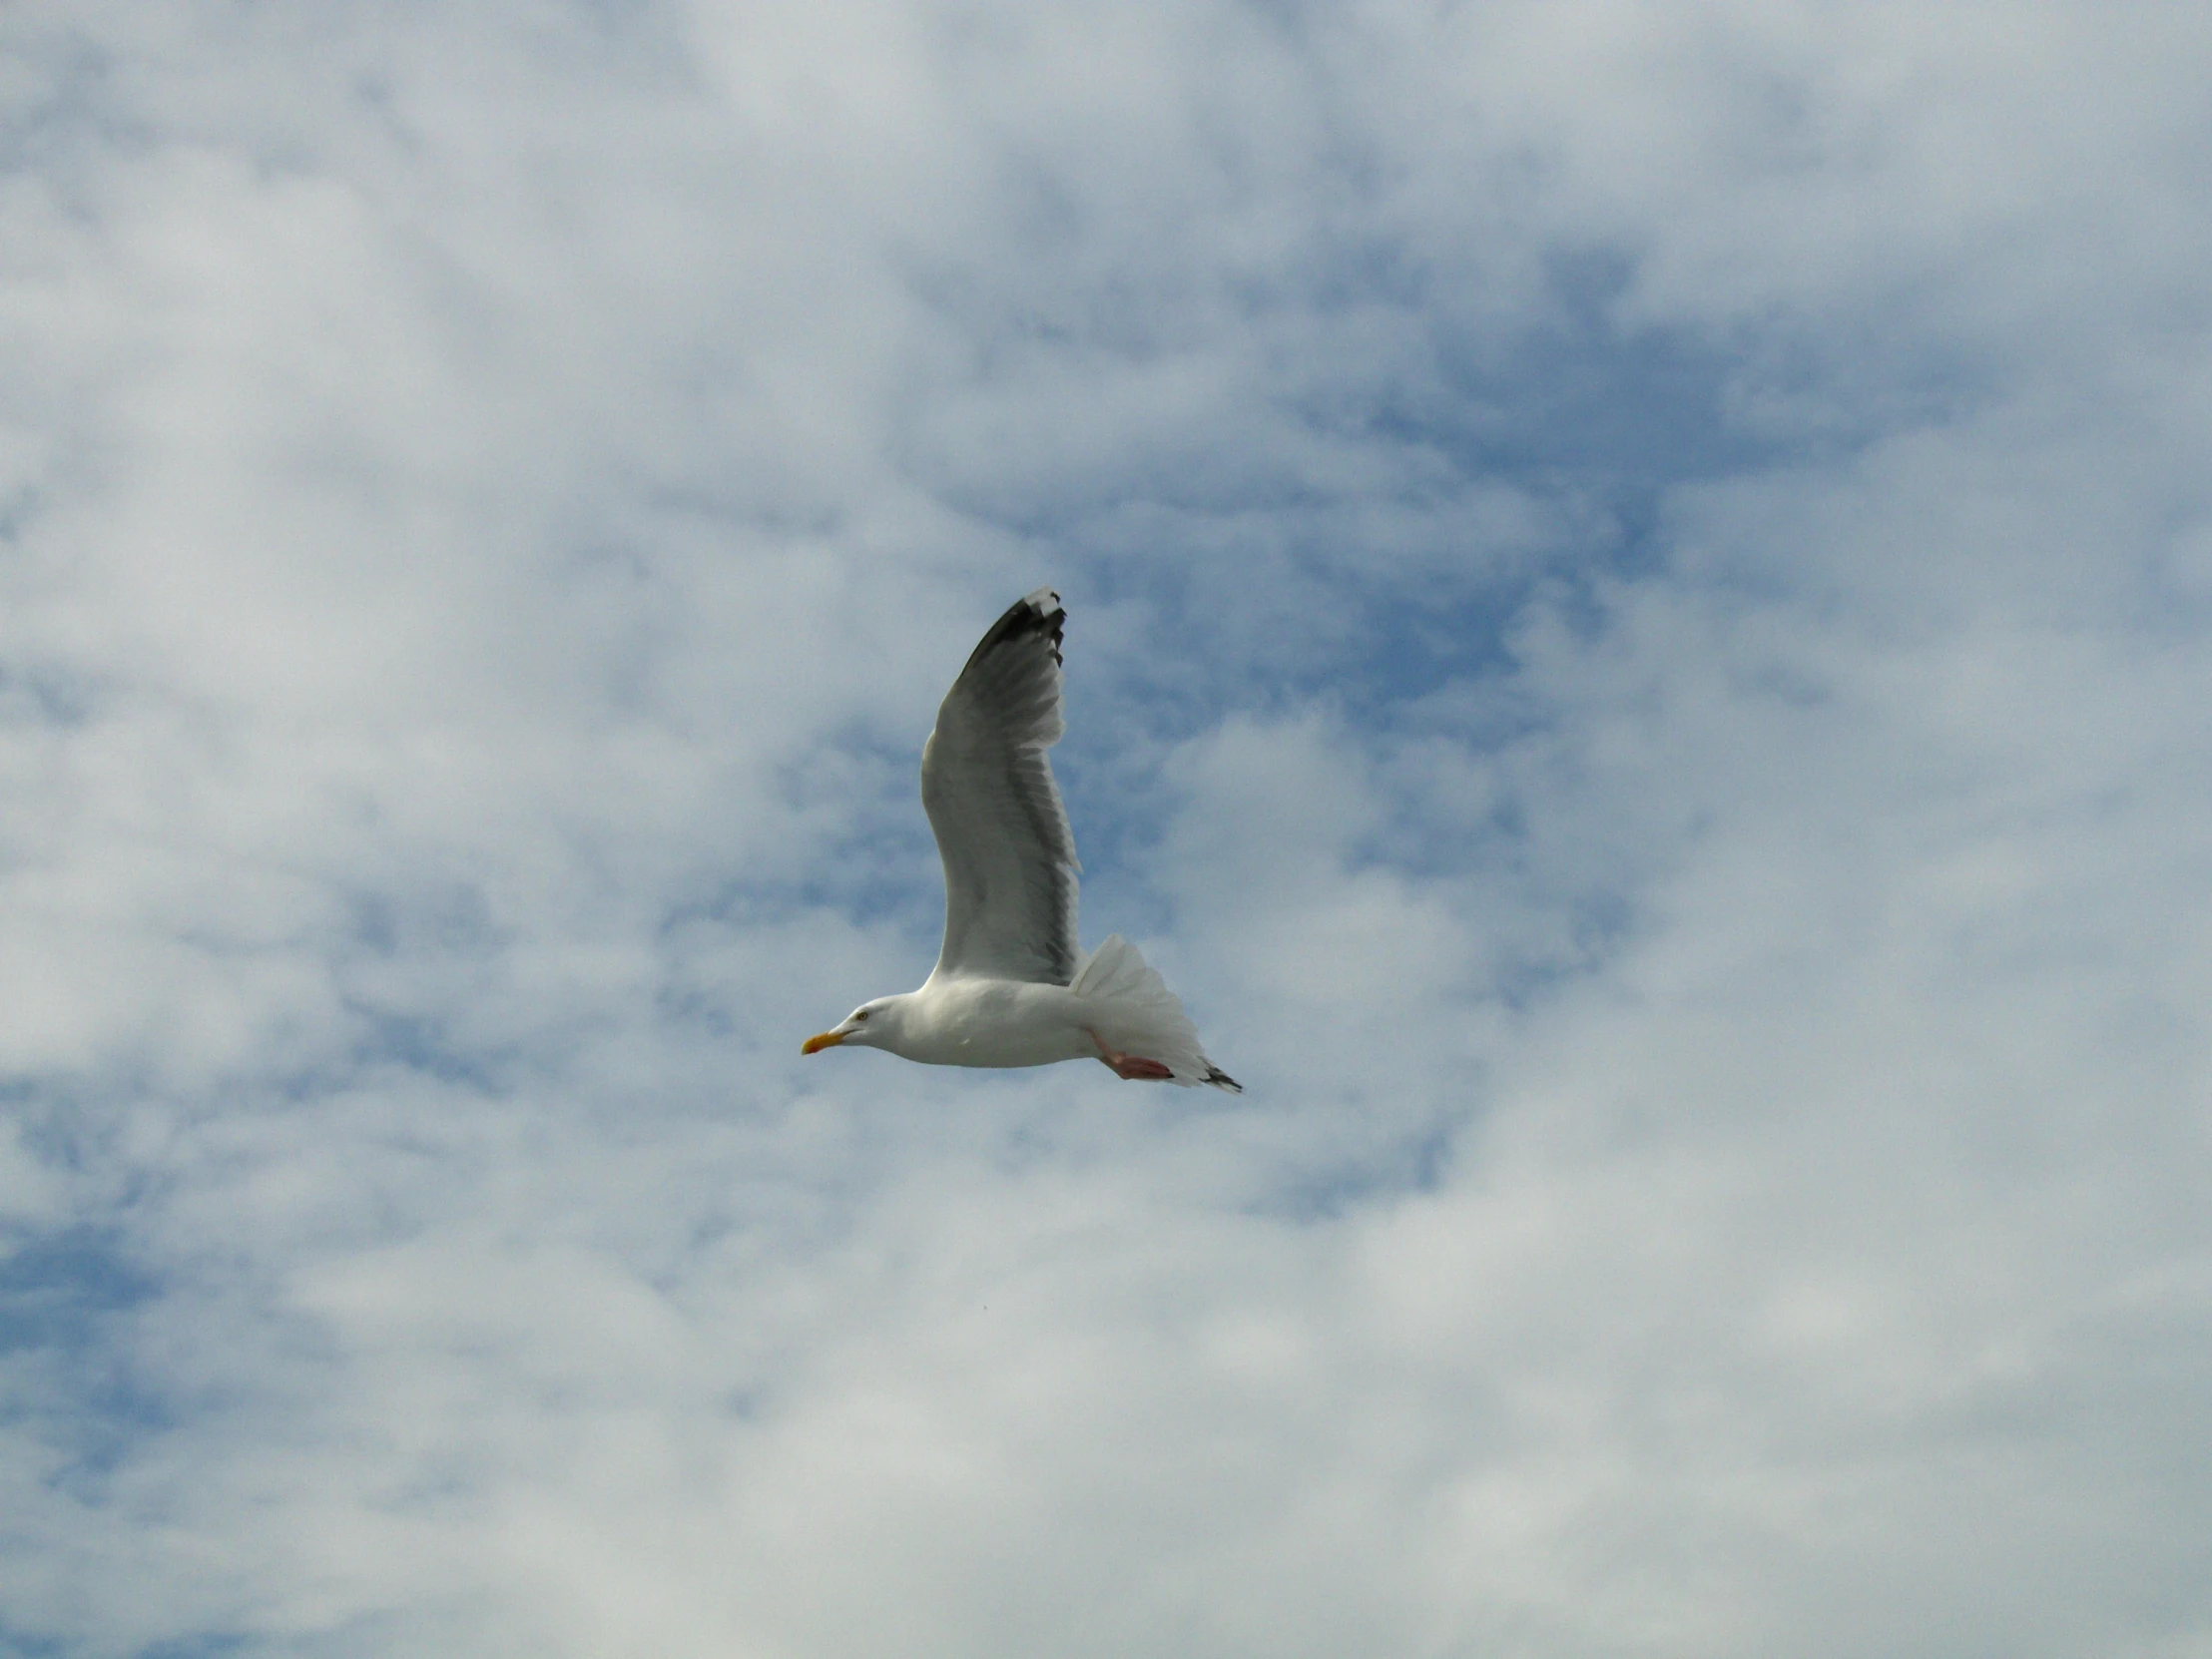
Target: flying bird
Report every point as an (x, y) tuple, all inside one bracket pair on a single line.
[(1010, 987)]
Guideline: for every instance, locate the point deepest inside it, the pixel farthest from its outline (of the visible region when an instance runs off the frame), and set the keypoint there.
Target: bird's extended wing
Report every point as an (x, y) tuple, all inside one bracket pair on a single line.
[(1009, 856)]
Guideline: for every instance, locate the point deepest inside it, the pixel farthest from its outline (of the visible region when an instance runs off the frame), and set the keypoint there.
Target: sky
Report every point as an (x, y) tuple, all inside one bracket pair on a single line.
[(1639, 589)]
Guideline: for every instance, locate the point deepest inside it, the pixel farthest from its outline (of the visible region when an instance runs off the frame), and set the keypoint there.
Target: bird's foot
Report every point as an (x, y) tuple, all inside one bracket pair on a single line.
[(1129, 1069)]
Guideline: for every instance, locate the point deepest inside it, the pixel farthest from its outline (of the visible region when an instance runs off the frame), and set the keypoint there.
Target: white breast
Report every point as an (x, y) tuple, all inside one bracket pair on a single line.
[(994, 1022)]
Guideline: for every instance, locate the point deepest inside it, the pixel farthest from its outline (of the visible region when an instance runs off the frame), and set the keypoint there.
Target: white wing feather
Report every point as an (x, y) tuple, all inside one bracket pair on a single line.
[(1001, 829)]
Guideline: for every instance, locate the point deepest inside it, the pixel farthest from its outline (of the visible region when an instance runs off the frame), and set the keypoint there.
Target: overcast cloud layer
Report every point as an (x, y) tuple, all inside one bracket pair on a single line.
[(1640, 624)]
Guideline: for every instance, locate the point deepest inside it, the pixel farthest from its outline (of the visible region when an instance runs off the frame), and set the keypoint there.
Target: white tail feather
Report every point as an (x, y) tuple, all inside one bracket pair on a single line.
[(1137, 1013)]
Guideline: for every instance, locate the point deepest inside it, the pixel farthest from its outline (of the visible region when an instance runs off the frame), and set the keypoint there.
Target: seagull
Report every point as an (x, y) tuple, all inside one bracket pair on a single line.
[(1010, 987)]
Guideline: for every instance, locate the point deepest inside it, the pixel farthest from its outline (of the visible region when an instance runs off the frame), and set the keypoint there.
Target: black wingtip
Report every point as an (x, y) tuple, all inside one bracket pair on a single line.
[(1222, 1080), (1035, 613)]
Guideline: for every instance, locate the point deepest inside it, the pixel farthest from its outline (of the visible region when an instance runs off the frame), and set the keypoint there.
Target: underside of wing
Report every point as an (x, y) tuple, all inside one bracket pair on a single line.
[(1002, 832)]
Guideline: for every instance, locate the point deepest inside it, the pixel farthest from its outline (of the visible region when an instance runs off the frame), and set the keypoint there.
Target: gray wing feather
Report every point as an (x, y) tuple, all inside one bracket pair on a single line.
[(1002, 832)]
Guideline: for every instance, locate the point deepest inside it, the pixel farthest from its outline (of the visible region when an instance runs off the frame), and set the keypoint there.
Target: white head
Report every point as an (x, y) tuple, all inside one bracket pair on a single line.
[(873, 1024)]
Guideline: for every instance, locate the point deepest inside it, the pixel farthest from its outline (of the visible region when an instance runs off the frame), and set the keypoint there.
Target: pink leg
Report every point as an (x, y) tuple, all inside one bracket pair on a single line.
[(1128, 1067)]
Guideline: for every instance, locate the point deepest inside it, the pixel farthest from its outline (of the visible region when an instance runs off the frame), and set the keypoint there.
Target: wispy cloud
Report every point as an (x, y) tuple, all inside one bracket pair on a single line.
[(1639, 590)]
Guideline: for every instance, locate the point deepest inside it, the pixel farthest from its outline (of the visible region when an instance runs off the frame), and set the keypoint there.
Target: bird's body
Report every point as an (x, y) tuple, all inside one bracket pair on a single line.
[(1011, 988), (987, 1022)]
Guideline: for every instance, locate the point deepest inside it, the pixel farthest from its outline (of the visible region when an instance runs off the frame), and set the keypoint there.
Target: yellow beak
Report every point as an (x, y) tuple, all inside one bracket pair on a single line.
[(814, 1045)]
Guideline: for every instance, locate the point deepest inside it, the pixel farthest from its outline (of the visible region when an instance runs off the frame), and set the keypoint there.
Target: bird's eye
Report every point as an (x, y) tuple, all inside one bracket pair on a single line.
[(860, 1013)]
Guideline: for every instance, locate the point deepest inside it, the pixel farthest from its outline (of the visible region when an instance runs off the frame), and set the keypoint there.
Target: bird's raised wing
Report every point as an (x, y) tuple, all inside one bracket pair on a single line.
[(1009, 856)]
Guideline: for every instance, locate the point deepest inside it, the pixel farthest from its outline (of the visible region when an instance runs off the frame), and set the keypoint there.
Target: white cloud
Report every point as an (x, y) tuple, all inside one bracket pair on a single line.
[(1637, 628)]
